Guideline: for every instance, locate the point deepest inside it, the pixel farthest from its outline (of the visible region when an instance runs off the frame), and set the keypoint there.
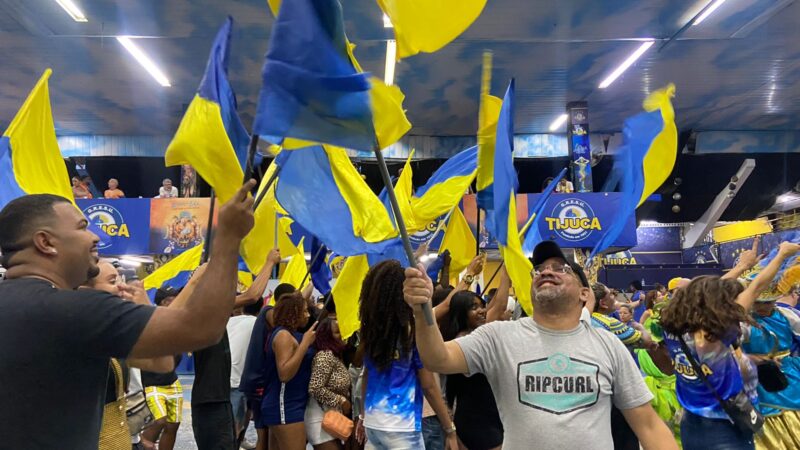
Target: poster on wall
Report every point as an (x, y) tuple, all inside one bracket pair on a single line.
[(571, 220), (124, 221), (178, 224)]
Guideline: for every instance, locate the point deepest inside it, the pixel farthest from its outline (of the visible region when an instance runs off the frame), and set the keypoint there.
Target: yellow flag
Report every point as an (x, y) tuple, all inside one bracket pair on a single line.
[(488, 115), (458, 238), (36, 160), (518, 267), (347, 292), (660, 159), (404, 190), (296, 269), (428, 25), (185, 262), (274, 6)]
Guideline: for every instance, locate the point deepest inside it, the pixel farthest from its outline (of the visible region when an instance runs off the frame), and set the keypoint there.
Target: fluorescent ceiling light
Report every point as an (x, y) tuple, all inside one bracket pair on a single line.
[(387, 22), (559, 122), (707, 12), (144, 60), (627, 63), (391, 55), (73, 10)]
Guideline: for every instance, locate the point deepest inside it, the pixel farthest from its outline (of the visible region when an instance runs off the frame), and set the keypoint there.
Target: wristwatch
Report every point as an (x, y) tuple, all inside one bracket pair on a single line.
[(469, 278), (450, 430)]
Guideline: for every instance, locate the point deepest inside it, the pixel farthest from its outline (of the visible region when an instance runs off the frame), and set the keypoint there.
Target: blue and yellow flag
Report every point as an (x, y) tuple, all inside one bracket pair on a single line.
[(532, 234), (428, 25), (445, 188), (313, 88), (488, 115), (647, 157), (212, 139), (458, 238), (320, 272), (321, 190), (175, 273), (30, 160), (346, 293), (504, 205), (296, 269)]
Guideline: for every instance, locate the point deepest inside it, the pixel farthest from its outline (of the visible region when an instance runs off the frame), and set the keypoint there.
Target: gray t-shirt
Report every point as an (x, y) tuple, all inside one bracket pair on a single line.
[(554, 388)]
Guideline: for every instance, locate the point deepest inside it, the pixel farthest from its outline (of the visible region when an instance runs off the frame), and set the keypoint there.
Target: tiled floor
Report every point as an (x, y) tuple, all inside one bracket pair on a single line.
[(185, 439)]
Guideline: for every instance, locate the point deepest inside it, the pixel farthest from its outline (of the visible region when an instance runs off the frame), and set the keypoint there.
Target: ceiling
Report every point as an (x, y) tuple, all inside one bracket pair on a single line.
[(738, 70)]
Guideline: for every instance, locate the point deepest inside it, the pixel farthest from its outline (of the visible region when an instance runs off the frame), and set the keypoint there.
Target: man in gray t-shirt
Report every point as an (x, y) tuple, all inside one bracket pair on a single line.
[(554, 376)]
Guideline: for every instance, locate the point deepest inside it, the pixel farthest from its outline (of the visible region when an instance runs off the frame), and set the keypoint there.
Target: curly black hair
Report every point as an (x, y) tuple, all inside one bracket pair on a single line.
[(387, 322), (707, 304)]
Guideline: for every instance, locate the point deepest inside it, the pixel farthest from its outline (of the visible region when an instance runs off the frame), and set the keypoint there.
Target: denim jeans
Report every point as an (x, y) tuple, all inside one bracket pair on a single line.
[(701, 433), (432, 433), (393, 440)]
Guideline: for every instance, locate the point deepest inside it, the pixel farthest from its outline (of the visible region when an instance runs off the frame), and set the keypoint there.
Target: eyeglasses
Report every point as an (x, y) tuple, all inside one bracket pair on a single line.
[(554, 267)]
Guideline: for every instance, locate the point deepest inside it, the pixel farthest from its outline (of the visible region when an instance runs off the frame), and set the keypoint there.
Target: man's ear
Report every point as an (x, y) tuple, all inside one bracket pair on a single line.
[(43, 243)]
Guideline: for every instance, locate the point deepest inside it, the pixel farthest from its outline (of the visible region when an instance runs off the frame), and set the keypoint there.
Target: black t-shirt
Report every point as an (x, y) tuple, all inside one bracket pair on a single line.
[(55, 347), (160, 379), (212, 373)]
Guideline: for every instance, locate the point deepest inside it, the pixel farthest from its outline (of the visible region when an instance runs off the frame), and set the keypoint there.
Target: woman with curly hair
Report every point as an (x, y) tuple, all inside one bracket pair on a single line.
[(705, 317), (289, 358), (476, 415), (394, 377)]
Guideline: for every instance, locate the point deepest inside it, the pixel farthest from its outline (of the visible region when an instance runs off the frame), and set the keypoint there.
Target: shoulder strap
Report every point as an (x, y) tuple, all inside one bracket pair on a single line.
[(118, 378), (699, 370)]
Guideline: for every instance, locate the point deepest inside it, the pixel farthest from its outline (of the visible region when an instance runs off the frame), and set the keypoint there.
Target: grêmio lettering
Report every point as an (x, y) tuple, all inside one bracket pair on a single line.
[(559, 385)]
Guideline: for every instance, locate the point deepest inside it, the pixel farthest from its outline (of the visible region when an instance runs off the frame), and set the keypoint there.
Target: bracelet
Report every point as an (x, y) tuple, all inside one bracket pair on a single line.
[(450, 430)]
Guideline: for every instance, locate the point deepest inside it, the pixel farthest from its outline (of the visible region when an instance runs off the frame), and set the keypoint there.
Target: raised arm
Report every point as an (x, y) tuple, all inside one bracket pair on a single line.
[(289, 353), (437, 356), (651, 431), (763, 280), (747, 260), (475, 267), (498, 305), (256, 290), (200, 321)]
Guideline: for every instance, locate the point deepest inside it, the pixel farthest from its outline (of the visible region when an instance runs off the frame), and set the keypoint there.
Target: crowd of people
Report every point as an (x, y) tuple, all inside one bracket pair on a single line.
[(82, 188), (707, 363)]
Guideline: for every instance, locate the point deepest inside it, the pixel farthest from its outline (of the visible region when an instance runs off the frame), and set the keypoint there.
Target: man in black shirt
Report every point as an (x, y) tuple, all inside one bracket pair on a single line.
[(56, 341)]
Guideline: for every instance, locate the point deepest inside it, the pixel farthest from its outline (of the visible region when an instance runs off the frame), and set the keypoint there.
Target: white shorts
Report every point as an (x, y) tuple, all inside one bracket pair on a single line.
[(313, 419)]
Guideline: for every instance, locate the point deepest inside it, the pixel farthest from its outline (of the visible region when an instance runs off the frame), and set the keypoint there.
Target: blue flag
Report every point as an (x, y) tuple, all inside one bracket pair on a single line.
[(320, 272)]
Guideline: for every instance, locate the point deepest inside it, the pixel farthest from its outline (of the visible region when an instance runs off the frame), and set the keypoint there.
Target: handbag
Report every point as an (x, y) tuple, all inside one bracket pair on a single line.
[(137, 411), (337, 425), (770, 376), (114, 434), (739, 408)]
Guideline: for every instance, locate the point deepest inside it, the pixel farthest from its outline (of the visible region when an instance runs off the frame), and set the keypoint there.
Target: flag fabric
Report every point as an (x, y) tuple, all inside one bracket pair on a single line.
[(321, 190), (313, 89), (296, 269), (647, 157), (488, 115), (346, 293), (428, 25), (30, 160), (320, 272), (211, 137), (504, 205), (460, 241), (175, 273), (445, 188), (403, 191), (532, 234)]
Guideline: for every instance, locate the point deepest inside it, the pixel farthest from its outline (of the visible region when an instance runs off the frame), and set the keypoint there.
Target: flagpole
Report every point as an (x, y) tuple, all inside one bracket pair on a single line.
[(313, 261), (207, 242), (401, 226), (500, 266), (251, 154)]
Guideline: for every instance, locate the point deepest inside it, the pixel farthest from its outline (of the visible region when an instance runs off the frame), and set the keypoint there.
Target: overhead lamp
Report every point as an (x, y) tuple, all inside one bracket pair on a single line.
[(391, 55), (144, 60), (708, 11), (387, 22), (72, 9), (559, 122), (627, 63)]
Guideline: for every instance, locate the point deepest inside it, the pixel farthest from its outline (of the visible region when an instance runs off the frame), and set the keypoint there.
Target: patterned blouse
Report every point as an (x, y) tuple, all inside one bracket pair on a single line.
[(330, 381)]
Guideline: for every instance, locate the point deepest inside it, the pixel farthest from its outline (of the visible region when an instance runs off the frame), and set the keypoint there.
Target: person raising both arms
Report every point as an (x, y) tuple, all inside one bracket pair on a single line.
[(52, 335), (554, 376)]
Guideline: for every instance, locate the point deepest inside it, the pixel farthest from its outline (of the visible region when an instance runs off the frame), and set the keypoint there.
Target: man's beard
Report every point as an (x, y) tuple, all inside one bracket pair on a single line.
[(552, 301), (93, 272)]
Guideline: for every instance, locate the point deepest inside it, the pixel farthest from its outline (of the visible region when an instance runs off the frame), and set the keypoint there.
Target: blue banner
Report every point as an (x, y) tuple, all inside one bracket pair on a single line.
[(125, 221), (704, 254)]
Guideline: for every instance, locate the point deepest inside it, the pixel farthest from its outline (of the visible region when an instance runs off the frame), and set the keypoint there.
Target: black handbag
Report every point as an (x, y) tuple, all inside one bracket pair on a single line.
[(739, 408), (770, 375)]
